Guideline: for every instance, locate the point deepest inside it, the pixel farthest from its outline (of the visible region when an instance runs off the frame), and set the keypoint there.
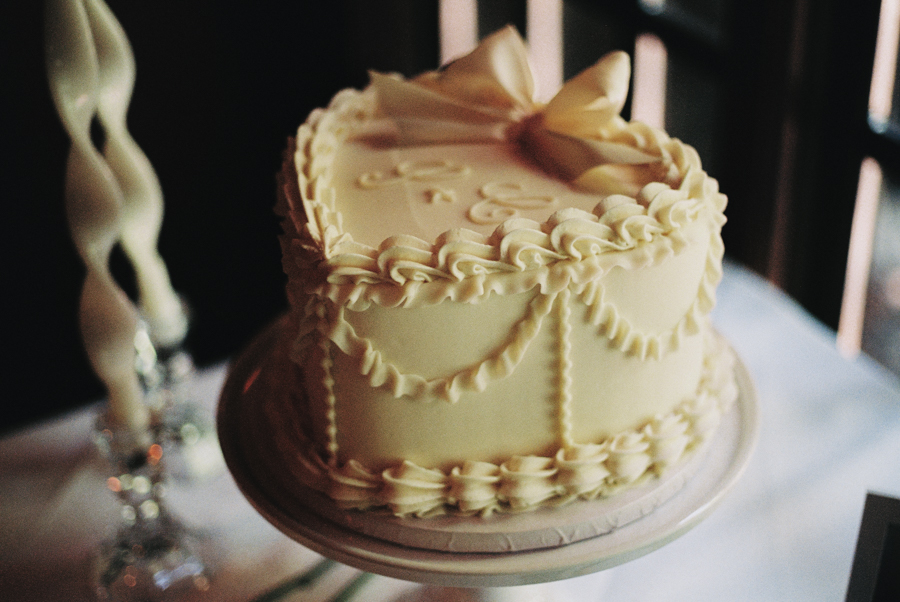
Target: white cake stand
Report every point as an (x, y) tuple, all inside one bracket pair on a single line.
[(470, 576)]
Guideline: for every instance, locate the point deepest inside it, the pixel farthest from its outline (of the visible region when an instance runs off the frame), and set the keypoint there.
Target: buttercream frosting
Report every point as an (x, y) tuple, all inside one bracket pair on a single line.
[(521, 483), (497, 304)]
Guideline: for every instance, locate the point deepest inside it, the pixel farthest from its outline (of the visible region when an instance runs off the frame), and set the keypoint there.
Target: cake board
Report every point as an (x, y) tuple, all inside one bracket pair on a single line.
[(300, 516)]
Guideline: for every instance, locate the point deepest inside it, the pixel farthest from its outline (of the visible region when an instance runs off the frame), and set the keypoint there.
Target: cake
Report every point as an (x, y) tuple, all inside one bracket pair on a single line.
[(496, 305)]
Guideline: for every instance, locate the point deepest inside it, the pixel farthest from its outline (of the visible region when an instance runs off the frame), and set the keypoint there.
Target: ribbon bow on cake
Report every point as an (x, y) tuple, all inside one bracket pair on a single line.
[(488, 96)]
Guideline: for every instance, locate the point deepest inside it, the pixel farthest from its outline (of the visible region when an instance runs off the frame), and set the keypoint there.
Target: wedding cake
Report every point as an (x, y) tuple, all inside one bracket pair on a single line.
[(496, 305)]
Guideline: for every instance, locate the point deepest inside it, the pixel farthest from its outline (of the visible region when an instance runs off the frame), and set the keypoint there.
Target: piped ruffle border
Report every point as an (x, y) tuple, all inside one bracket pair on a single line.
[(321, 259)]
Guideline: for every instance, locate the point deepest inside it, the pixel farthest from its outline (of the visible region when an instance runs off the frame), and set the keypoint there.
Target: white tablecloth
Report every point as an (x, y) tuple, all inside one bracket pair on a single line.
[(787, 531)]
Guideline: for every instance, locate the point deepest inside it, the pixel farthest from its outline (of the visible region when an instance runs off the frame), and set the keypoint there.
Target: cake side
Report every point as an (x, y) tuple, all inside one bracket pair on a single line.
[(580, 471)]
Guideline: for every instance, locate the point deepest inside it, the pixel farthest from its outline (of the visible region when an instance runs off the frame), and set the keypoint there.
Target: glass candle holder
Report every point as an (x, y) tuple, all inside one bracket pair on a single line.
[(152, 557), (186, 428)]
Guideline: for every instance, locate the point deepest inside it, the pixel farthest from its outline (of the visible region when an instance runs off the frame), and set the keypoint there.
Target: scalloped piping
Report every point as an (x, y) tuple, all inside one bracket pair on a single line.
[(617, 329), (385, 375), (628, 339)]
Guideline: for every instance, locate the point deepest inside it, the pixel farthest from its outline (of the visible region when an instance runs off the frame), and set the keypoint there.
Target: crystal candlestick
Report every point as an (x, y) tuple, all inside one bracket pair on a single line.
[(152, 557)]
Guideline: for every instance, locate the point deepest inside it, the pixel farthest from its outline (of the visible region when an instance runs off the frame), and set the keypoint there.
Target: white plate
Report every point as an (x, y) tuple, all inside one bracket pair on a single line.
[(645, 518)]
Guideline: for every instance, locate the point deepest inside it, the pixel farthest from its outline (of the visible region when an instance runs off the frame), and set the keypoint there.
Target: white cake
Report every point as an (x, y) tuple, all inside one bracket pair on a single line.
[(495, 305)]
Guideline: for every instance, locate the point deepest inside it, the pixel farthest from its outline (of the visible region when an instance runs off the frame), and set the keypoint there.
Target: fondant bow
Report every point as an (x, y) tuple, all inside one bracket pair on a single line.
[(488, 96)]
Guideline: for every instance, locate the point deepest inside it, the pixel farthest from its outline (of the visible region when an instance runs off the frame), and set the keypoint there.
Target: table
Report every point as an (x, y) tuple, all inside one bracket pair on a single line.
[(787, 531)]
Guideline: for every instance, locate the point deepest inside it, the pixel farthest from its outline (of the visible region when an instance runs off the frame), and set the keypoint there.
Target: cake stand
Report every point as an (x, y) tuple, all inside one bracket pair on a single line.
[(487, 576)]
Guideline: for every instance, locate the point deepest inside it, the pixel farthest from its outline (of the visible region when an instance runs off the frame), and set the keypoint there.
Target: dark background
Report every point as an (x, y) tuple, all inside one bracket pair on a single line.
[(765, 90), (219, 88)]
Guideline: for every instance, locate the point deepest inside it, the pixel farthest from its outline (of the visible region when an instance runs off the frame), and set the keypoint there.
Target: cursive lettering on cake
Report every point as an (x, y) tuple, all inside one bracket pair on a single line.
[(503, 201), (444, 195), (416, 171)]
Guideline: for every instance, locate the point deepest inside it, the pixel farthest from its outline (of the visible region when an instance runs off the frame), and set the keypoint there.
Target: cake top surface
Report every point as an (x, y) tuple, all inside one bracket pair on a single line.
[(460, 172), (426, 190)]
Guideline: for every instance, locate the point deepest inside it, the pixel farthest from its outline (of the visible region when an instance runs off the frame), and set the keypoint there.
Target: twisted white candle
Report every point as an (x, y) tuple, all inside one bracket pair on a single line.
[(142, 217), (94, 204)]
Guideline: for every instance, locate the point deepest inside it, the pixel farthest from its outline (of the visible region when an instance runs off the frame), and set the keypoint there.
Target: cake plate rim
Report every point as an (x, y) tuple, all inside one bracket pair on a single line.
[(302, 523)]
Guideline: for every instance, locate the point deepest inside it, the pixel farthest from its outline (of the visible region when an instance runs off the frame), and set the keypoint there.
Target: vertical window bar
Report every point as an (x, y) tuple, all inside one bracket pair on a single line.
[(648, 99), (458, 22), (859, 259), (884, 71), (545, 45)]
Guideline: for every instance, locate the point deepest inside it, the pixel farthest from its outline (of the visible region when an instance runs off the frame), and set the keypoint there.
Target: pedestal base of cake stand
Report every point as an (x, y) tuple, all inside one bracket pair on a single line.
[(466, 576)]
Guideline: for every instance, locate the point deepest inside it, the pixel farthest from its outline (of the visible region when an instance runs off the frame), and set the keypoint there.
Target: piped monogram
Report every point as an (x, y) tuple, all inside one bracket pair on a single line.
[(505, 200), (416, 171)]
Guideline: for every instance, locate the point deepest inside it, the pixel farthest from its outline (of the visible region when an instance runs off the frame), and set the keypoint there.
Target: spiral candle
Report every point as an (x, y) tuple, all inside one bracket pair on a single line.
[(143, 210), (94, 207)]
